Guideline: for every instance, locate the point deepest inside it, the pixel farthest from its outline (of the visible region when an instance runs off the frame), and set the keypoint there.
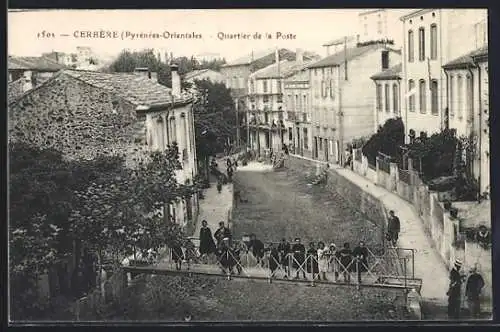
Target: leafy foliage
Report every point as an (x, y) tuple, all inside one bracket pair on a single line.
[(215, 118), (109, 208), (127, 62), (437, 154), (387, 140)]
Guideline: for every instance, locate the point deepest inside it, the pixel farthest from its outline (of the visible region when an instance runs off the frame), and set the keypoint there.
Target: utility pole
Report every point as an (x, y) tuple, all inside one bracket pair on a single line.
[(279, 95)]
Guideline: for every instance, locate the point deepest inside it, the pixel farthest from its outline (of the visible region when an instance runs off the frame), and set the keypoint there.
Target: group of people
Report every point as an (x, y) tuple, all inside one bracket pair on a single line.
[(473, 288), (318, 259), (231, 165)]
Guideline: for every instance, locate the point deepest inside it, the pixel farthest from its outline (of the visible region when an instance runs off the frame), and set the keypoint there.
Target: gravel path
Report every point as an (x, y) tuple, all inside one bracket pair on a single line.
[(281, 204)]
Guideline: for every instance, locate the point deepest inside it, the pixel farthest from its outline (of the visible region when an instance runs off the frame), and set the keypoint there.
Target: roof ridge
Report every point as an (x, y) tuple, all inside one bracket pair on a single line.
[(30, 91)]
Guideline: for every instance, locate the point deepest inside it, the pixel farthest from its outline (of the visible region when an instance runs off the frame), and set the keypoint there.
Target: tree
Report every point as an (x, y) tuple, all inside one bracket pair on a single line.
[(388, 140), (108, 208), (215, 118)]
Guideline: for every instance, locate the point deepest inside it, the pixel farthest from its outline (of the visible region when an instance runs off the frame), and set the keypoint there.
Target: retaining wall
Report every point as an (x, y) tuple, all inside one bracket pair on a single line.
[(369, 205)]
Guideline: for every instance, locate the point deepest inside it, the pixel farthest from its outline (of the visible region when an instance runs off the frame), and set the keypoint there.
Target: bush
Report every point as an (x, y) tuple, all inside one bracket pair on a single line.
[(437, 154), (444, 183), (387, 140)]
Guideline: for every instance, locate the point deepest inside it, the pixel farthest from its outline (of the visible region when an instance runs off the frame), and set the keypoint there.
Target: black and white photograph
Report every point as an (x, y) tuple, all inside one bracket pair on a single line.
[(248, 165)]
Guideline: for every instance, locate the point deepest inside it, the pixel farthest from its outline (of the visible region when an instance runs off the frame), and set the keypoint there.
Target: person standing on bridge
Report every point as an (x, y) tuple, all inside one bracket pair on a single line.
[(299, 255), (393, 228), (323, 257), (229, 173), (284, 251), (345, 258), (221, 233), (454, 291), (312, 261), (360, 253), (333, 260), (274, 259), (207, 244), (257, 248), (177, 255), (475, 284)]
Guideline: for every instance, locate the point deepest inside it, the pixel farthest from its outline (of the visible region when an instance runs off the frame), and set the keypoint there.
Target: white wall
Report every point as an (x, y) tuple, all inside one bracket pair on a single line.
[(381, 116), (457, 31), (357, 101)]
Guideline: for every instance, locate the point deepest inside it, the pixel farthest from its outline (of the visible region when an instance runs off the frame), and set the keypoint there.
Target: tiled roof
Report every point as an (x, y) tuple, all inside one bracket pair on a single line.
[(33, 63), (195, 73), (391, 73), (137, 89), (285, 69), (341, 56), (467, 59)]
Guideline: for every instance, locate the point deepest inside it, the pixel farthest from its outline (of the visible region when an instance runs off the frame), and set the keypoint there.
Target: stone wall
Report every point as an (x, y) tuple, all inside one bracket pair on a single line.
[(77, 119)]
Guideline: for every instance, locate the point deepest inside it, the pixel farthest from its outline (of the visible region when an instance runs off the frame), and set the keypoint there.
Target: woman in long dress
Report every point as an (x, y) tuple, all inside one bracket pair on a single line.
[(323, 255), (207, 244)]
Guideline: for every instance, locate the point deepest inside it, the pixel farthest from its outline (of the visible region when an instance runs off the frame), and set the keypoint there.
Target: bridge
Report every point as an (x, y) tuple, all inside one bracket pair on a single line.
[(392, 269)]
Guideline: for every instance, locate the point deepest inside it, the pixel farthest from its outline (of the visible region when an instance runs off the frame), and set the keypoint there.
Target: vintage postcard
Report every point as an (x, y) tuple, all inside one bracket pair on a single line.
[(176, 166)]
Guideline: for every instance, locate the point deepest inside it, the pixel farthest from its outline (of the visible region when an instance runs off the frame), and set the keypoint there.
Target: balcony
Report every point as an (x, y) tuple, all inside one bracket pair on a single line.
[(291, 116)]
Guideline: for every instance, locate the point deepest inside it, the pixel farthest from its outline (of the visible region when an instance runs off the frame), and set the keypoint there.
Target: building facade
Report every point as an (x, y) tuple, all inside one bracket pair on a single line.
[(342, 110), (297, 101), (432, 38), (387, 95), (379, 24), (468, 110), (76, 112), (237, 73)]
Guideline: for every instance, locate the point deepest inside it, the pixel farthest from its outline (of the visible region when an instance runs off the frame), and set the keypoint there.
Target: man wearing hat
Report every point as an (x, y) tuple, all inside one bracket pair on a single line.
[(454, 291), (475, 284)]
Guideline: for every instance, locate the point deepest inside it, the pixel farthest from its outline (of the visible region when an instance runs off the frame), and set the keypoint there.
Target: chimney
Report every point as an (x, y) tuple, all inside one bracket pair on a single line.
[(299, 55), (176, 80), (143, 72)]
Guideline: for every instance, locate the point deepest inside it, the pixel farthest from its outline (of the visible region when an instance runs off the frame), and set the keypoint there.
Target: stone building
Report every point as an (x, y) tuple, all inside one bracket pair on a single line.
[(387, 95), (432, 38), (86, 113), (297, 101), (265, 104), (342, 107), (468, 110), (237, 73)]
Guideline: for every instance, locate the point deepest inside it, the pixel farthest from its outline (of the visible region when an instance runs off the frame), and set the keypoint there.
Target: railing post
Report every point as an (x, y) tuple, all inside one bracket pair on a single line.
[(358, 276)]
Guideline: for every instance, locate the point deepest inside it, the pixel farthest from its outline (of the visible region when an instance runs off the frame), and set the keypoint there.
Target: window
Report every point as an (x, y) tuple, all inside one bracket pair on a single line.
[(323, 89), (433, 41), (266, 99), (185, 143), (252, 86), (411, 98), (297, 103), (379, 97), (379, 27), (434, 97), (468, 99), (451, 106), (173, 131), (306, 139), (411, 50), (422, 100), (385, 60), (264, 86), (366, 29), (387, 99), (460, 93), (305, 103), (421, 44), (289, 100), (395, 98), (332, 89)]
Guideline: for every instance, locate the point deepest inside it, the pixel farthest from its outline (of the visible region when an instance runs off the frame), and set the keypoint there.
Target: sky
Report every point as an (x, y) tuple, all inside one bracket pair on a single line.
[(31, 33)]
